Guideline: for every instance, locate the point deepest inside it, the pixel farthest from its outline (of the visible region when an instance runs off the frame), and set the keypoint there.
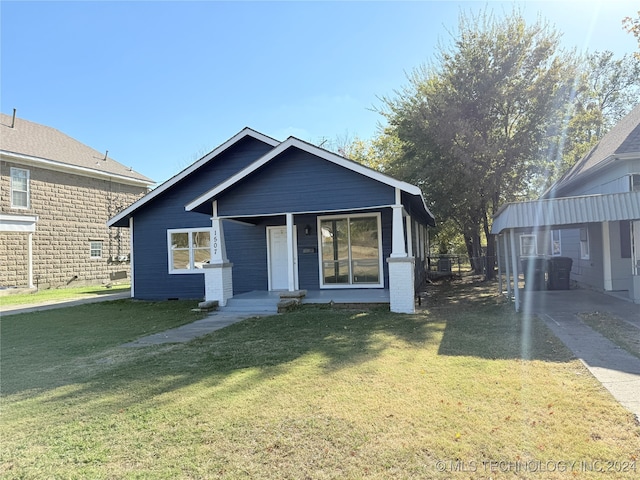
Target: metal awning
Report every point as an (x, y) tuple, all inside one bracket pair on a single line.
[(557, 212)]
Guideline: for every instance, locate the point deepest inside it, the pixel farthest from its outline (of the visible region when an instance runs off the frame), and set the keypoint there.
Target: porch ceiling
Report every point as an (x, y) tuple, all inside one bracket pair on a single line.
[(568, 211)]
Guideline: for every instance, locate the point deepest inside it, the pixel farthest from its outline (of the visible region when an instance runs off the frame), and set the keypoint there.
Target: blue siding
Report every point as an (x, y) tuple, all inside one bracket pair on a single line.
[(247, 250), (299, 181), (151, 222)]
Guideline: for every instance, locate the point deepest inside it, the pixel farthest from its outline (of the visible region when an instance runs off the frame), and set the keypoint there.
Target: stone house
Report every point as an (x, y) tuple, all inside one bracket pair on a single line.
[(56, 196)]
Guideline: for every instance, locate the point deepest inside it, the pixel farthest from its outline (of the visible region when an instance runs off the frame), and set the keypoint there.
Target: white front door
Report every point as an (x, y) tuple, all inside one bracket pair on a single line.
[(278, 258)]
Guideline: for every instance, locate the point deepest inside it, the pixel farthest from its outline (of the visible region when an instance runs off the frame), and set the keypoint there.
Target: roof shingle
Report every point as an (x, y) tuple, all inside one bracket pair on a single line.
[(42, 142)]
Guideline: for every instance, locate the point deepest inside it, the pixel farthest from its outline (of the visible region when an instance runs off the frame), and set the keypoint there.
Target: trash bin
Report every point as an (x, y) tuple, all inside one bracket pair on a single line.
[(559, 273), (535, 269)]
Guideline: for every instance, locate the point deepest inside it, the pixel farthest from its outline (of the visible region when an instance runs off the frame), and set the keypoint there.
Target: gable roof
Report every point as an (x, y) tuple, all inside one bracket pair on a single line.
[(622, 141), (293, 142), (44, 146), (244, 133)]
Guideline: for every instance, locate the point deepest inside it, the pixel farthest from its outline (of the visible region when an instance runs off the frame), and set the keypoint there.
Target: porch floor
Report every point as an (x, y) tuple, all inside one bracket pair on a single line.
[(363, 295)]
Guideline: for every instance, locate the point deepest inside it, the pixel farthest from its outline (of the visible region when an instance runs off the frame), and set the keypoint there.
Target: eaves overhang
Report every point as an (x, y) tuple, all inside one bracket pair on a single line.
[(565, 211)]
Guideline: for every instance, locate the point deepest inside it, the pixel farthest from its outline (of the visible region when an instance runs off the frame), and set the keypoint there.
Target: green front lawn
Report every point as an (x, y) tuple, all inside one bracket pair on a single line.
[(60, 294), (316, 393)]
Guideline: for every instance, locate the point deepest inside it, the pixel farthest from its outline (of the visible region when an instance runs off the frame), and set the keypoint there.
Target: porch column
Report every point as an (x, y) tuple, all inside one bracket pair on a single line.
[(131, 262), (507, 270), (218, 279), (30, 257), (497, 244), (634, 292), (401, 266), (606, 256), (291, 266), (514, 264)]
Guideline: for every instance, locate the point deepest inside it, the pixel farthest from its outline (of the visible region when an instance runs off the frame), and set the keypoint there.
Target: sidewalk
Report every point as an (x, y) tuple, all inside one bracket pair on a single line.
[(6, 310), (185, 333), (616, 369)]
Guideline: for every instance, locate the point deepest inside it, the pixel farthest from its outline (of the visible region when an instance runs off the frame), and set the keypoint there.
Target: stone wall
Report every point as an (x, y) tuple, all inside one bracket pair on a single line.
[(72, 211)]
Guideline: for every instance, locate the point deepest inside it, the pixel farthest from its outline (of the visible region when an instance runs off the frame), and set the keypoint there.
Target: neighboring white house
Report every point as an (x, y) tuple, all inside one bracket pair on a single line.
[(592, 215)]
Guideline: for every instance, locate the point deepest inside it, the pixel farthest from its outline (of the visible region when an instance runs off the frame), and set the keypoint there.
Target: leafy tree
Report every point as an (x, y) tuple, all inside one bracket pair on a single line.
[(632, 25), (606, 89), (470, 125)]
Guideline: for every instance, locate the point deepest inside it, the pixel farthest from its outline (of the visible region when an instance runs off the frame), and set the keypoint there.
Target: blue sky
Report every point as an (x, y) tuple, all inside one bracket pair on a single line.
[(159, 83)]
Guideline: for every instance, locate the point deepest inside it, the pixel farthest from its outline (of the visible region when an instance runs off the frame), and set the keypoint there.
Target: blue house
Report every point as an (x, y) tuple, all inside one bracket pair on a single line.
[(256, 214)]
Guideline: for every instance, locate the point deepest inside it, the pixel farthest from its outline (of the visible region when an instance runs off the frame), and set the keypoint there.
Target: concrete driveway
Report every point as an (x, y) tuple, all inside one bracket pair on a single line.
[(615, 368)]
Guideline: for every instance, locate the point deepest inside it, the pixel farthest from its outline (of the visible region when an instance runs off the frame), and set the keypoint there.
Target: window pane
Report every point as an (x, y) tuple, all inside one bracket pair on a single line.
[(180, 251), (201, 239), (20, 199), (335, 251), (364, 250), (179, 240)]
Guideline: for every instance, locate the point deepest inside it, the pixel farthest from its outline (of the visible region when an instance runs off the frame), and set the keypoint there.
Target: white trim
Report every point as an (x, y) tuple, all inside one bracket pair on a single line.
[(189, 231), (380, 283), (293, 142), (607, 267), (302, 212), (18, 223), (77, 170), (246, 132)]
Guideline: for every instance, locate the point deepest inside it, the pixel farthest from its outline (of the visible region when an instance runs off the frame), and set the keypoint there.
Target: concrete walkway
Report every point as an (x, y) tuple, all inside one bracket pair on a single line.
[(184, 333), (615, 368)]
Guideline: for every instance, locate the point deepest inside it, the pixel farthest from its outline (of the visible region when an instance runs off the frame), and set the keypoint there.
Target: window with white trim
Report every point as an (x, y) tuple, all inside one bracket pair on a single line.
[(95, 249), (189, 249), (556, 243), (351, 250), (528, 245), (19, 188), (584, 243), (634, 182)]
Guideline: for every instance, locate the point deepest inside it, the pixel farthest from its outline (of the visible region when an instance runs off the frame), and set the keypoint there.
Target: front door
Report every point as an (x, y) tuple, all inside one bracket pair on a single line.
[(278, 258)]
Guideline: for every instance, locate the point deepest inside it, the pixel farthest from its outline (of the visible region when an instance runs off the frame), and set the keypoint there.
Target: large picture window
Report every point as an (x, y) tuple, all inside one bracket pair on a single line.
[(189, 250), (19, 188), (351, 251)]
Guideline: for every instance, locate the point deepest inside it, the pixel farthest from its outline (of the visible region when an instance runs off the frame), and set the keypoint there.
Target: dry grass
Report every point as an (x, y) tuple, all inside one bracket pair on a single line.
[(620, 332), (320, 394)]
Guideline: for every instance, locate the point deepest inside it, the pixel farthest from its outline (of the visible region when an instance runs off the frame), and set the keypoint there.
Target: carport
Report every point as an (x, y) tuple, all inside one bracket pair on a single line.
[(515, 219)]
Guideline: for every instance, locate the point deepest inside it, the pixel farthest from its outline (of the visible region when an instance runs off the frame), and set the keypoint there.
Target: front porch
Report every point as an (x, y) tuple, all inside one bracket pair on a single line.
[(267, 302)]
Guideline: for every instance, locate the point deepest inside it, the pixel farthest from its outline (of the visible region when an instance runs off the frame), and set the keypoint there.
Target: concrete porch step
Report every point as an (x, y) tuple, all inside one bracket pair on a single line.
[(251, 305)]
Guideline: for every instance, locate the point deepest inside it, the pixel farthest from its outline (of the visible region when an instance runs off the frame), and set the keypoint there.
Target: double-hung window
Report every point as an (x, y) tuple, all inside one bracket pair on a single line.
[(584, 244), (528, 246), (189, 249), (556, 243), (95, 249), (19, 188)]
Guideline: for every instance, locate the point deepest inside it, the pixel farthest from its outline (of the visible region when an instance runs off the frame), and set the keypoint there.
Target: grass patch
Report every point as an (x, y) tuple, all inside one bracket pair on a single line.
[(618, 331), (321, 393), (50, 348), (57, 294)]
